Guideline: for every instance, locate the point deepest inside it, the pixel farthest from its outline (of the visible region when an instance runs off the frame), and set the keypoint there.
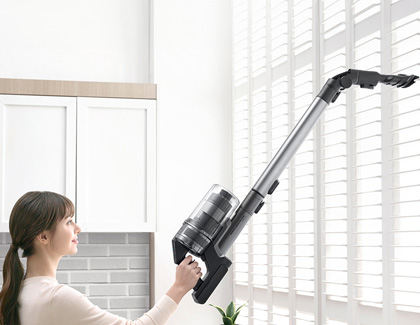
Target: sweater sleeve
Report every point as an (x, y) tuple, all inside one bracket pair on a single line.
[(162, 311), (68, 306)]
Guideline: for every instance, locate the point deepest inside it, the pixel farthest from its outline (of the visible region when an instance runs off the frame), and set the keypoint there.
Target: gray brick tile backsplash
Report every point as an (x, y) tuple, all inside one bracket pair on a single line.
[(3, 250), (62, 277), (141, 289), (83, 238), (110, 263), (123, 313), (133, 238), (89, 277), (136, 313), (81, 289), (5, 238), (139, 276), (112, 269), (130, 302), (110, 290), (129, 250), (100, 302), (100, 238), (92, 250), (139, 263), (73, 263)]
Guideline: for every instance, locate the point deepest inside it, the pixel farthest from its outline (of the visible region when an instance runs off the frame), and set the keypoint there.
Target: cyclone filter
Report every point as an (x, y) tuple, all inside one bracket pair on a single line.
[(207, 219)]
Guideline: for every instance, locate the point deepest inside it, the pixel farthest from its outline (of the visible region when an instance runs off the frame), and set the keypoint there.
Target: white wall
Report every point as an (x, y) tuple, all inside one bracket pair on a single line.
[(192, 68), (95, 40), (102, 40)]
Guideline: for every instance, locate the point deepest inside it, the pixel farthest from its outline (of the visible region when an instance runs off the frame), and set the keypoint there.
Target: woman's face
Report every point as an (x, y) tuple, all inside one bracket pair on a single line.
[(64, 240)]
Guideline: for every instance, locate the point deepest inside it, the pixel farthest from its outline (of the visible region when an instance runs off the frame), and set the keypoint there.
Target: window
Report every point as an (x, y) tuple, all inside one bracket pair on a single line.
[(339, 240)]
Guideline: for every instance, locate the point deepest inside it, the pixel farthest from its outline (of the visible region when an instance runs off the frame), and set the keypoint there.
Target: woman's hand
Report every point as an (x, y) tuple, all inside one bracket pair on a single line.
[(186, 277)]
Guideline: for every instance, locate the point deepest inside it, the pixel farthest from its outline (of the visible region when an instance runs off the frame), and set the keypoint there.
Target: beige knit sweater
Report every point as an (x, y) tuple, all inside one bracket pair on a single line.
[(43, 301)]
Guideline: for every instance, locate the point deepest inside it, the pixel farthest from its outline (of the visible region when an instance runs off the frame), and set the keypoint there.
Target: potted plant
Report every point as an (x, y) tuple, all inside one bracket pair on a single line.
[(229, 317)]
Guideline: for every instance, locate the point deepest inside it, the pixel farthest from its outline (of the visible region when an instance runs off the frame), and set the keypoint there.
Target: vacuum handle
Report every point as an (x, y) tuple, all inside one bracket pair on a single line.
[(199, 283), (204, 288), (217, 266)]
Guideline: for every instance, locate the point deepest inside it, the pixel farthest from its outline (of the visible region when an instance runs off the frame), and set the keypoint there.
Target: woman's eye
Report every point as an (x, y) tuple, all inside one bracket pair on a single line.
[(70, 221)]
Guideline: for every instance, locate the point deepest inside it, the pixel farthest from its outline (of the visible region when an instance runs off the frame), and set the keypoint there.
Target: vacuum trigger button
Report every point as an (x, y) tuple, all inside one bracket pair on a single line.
[(259, 207), (273, 187)]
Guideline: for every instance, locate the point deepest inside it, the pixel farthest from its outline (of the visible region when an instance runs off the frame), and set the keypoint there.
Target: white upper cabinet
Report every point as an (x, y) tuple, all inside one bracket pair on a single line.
[(92, 142), (38, 148), (116, 164)]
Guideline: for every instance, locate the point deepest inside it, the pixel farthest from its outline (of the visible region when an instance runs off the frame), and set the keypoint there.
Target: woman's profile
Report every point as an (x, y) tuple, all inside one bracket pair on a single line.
[(42, 225)]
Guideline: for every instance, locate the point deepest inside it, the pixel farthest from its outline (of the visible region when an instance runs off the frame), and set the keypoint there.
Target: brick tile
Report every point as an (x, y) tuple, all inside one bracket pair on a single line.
[(140, 276), (129, 302), (108, 263), (89, 277)]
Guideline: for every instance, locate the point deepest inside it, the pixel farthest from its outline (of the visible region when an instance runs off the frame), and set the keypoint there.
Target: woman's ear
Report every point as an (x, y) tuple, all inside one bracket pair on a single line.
[(44, 237)]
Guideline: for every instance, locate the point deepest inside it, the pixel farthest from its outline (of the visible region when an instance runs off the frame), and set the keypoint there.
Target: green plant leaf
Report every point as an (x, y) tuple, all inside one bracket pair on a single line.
[(239, 308), (230, 310), (221, 311), (237, 312), (227, 321), (234, 317)]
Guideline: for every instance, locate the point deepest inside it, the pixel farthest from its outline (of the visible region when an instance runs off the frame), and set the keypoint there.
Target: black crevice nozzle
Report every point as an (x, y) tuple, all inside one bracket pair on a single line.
[(369, 79)]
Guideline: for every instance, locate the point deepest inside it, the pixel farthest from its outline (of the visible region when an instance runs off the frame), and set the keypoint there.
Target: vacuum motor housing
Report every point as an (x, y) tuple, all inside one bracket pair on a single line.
[(208, 218)]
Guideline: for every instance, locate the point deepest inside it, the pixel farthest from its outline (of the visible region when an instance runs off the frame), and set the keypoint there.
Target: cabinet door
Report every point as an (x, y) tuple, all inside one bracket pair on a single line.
[(116, 165), (38, 148)]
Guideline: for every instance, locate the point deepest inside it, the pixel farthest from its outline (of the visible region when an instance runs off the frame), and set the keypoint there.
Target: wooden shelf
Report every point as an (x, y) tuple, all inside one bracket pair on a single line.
[(76, 88)]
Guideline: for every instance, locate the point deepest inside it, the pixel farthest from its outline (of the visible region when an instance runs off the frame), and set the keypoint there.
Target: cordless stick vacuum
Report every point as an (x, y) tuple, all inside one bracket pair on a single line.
[(217, 221)]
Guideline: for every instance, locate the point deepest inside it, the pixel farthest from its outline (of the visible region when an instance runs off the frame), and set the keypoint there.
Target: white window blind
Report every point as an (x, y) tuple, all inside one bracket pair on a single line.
[(404, 134), (339, 240)]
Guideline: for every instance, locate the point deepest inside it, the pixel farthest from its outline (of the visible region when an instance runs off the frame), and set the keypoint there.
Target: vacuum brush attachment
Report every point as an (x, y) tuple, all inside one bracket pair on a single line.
[(369, 79)]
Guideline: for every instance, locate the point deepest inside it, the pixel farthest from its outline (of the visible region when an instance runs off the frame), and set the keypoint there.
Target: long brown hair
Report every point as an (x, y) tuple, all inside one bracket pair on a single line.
[(32, 214)]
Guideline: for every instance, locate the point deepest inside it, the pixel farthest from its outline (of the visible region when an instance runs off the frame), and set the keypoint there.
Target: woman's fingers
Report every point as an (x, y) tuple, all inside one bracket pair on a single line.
[(194, 265), (189, 264), (186, 260)]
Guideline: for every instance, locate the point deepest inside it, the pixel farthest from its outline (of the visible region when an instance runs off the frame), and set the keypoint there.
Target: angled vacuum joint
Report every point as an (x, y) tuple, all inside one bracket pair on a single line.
[(364, 79)]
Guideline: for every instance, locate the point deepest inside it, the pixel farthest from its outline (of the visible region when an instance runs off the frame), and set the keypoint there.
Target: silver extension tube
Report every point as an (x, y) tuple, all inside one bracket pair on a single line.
[(271, 173), (290, 146)]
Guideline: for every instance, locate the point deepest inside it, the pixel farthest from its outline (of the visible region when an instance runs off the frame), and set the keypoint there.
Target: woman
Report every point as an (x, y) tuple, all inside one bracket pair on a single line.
[(42, 225)]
